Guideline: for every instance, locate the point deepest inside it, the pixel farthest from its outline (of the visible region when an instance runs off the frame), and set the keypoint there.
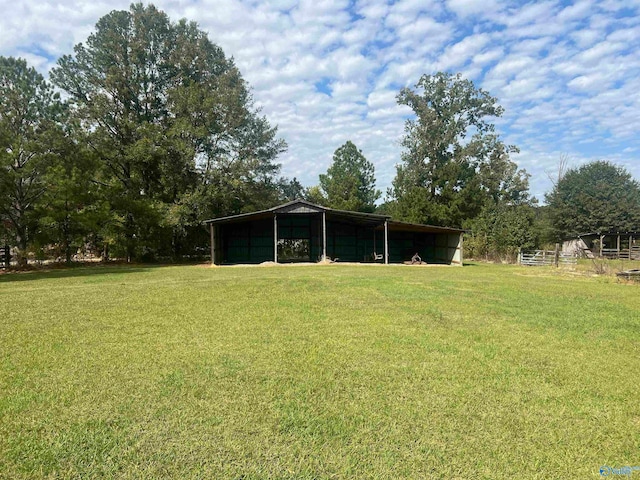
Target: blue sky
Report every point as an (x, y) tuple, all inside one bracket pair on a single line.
[(328, 71)]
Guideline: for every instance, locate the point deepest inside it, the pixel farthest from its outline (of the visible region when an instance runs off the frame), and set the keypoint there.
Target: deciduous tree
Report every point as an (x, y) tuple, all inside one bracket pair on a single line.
[(453, 161), (598, 196)]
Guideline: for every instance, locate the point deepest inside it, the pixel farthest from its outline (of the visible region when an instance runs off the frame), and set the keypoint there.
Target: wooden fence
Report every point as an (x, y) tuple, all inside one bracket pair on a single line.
[(546, 257), (624, 253)]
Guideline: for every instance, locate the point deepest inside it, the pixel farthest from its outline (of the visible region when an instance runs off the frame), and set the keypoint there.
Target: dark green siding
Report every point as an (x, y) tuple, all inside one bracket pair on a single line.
[(350, 242), (247, 242), (253, 242)]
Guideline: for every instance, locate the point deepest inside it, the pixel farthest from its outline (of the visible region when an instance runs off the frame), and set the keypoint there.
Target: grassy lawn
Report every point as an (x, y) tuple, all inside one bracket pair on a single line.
[(486, 371)]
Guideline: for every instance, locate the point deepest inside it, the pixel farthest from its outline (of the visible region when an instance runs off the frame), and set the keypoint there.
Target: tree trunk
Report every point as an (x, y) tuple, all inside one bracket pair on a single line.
[(67, 251), (176, 246), (67, 240), (22, 244), (129, 237)]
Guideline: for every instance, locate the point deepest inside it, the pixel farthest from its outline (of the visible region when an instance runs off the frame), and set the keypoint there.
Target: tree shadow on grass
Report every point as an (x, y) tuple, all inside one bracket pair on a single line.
[(79, 270)]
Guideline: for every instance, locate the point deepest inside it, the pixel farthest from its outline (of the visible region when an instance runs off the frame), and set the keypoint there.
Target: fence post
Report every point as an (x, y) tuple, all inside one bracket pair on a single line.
[(601, 244), (520, 256), (556, 257), (7, 257)]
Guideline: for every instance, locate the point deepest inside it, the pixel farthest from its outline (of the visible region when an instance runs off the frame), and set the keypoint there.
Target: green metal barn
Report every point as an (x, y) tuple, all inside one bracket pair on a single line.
[(300, 231)]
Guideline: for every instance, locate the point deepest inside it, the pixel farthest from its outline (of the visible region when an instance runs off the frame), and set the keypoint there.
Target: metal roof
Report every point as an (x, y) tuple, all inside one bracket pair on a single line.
[(395, 225), (607, 233), (302, 206)]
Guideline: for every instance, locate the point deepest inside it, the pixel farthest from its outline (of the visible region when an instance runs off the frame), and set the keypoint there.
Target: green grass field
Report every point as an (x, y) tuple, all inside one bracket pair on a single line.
[(318, 372)]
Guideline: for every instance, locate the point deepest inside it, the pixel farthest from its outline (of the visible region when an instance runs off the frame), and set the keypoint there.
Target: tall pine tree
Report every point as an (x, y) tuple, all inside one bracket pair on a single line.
[(30, 116), (172, 123), (349, 183)]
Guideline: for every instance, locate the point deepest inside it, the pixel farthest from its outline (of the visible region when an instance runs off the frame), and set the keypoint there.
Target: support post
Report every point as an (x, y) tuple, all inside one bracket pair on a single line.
[(324, 236), (386, 241), (275, 237), (601, 242), (213, 244), (618, 246), (374, 244), (556, 256)]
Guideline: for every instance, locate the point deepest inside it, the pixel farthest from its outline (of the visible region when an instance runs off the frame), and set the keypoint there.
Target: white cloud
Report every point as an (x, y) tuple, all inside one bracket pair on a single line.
[(586, 38), (600, 50), (347, 91), (579, 10), (460, 53), (468, 8), (530, 13)]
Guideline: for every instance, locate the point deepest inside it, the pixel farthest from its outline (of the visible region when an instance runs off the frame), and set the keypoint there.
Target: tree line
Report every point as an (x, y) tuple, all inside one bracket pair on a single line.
[(156, 130), (456, 171)]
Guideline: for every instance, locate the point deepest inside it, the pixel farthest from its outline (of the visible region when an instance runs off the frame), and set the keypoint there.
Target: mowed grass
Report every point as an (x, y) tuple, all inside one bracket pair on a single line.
[(486, 371)]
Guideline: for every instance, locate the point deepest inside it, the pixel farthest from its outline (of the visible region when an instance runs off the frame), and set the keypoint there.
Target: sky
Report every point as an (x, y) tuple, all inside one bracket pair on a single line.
[(328, 71)]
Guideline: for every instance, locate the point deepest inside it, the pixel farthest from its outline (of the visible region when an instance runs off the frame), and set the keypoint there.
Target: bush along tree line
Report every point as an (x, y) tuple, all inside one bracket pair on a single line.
[(158, 131)]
